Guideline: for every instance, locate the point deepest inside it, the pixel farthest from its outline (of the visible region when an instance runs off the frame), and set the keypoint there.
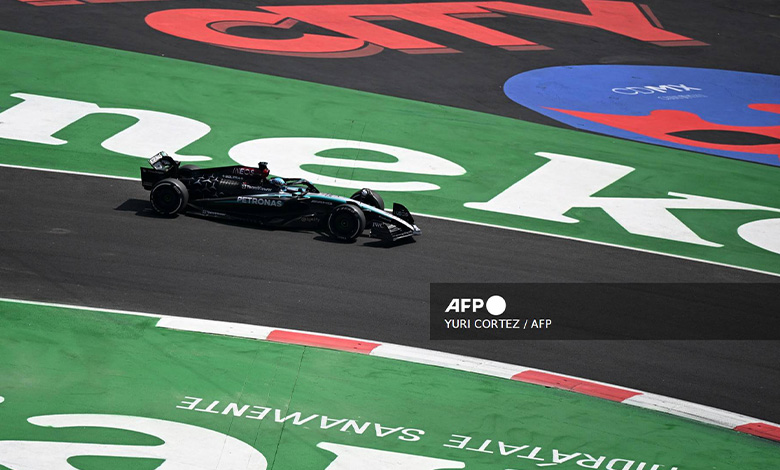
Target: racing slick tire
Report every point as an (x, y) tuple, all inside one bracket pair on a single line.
[(346, 222), (169, 197), (368, 196)]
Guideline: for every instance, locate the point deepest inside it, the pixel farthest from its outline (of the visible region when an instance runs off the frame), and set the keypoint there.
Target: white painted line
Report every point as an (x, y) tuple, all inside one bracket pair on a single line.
[(67, 172), (594, 242), (686, 409), (79, 307), (692, 411), (469, 222), (447, 360), (215, 327)]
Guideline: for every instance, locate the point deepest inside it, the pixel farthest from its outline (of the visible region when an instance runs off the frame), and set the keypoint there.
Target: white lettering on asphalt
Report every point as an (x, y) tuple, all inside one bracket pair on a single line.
[(38, 118), (288, 155), (563, 183), (359, 458), (185, 446), (567, 182), (763, 234)]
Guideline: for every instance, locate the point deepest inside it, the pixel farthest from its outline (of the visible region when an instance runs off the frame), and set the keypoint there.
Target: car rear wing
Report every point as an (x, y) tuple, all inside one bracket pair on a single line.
[(162, 167)]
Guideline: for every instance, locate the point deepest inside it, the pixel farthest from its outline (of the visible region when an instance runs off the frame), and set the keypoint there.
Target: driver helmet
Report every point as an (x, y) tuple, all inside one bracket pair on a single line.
[(263, 166), (277, 182)]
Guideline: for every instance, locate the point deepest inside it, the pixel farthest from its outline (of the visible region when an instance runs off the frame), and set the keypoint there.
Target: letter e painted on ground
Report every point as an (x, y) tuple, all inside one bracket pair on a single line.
[(287, 156), (568, 182), (359, 458), (185, 446)]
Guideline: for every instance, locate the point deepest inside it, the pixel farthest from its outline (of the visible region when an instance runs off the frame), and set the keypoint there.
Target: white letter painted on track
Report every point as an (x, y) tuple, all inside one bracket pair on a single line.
[(38, 118), (185, 447), (763, 234), (286, 156), (568, 182), (359, 458)]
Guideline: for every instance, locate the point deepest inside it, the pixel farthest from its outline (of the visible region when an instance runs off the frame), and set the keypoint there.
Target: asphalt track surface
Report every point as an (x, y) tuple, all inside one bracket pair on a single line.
[(91, 241), (741, 36)]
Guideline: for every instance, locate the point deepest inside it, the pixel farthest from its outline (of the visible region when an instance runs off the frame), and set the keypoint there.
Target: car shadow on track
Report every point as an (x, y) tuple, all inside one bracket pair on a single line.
[(374, 243), (142, 208)]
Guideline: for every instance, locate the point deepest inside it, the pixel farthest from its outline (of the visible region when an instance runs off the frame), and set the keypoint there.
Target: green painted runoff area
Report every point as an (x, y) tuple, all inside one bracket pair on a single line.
[(291, 403), (495, 151)]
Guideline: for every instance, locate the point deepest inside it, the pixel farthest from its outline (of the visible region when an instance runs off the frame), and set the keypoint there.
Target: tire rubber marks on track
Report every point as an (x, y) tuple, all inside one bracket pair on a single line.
[(365, 38), (575, 385)]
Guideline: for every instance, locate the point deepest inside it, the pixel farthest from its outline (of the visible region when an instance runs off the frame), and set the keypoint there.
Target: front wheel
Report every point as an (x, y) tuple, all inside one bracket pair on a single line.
[(346, 222), (169, 197)]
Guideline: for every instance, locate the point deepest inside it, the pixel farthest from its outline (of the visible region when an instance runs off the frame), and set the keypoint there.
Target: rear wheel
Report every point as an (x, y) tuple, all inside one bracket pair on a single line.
[(346, 222), (169, 197)]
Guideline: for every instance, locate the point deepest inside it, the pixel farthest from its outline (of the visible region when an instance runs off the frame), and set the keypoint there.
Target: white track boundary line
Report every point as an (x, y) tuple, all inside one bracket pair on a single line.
[(68, 172), (469, 222), (688, 410)]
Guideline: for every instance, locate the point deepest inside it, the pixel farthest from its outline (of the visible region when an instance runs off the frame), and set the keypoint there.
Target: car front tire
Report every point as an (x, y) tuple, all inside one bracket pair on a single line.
[(346, 222)]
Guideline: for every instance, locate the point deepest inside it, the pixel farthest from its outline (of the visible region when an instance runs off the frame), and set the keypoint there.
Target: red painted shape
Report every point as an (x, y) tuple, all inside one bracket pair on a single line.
[(321, 341), (575, 385), (351, 20), (660, 123), (689, 42), (194, 24), (52, 3), (122, 1), (651, 15), (527, 48), (365, 38), (623, 18), (767, 431)]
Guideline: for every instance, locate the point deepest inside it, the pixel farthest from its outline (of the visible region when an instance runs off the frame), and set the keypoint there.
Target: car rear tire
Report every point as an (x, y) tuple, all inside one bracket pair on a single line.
[(346, 222), (368, 196), (169, 197)]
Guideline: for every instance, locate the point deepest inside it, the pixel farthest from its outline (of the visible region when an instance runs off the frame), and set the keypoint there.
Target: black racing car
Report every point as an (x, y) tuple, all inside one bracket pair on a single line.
[(248, 194)]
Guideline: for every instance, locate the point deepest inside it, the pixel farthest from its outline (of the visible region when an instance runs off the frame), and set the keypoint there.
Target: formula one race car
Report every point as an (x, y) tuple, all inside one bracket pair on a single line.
[(247, 194)]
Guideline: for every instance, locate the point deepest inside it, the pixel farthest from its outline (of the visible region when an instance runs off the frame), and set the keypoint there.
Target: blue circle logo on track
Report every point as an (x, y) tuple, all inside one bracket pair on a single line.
[(725, 113)]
